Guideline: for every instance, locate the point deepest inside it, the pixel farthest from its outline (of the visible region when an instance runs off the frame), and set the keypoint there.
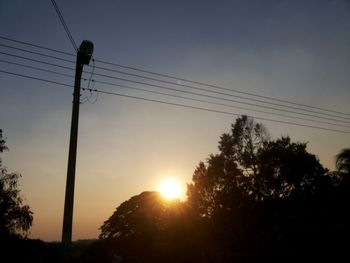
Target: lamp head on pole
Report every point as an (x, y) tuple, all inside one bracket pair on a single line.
[(85, 52)]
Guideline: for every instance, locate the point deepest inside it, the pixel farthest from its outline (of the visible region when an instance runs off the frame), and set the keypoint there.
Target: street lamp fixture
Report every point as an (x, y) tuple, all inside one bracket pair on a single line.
[(85, 52)]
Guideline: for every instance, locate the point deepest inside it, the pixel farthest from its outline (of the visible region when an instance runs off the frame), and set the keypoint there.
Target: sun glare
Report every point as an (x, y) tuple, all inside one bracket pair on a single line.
[(170, 189)]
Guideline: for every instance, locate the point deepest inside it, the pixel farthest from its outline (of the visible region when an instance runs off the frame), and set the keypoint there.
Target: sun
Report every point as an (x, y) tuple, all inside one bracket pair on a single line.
[(170, 189)]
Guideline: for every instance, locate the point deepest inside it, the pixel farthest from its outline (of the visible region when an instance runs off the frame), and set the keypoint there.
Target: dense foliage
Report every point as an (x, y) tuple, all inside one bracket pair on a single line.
[(269, 197), (142, 215), (15, 217), (147, 228), (256, 200)]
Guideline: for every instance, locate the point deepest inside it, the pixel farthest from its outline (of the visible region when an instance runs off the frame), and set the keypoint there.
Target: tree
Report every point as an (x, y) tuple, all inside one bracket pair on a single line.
[(286, 168), (148, 228), (343, 161), (343, 189), (249, 168), (256, 189), (224, 184), (15, 217), (243, 144), (143, 215)]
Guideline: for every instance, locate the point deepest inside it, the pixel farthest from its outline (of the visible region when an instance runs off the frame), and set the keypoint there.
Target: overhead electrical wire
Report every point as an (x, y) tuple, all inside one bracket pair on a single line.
[(37, 53), (171, 95), (197, 88), (225, 99), (60, 16), (175, 104), (217, 111), (219, 104), (36, 60), (237, 107), (36, 68), (187, 92), (35, 78), (37, 46), (216, 92), (154, 85), (181, 85), (181, 79), (218, 87)]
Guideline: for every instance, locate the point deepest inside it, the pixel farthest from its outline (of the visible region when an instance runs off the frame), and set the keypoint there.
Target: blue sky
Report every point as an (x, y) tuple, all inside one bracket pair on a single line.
[(293, 50)]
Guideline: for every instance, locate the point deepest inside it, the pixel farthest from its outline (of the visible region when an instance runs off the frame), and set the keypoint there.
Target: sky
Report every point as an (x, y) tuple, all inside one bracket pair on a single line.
[(292, 50)]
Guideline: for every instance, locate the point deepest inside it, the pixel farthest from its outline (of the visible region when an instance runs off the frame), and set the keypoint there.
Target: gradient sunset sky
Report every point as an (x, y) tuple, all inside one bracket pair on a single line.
[(293, 50)]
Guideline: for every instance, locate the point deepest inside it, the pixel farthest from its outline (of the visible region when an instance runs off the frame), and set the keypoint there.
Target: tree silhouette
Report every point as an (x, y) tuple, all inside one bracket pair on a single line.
[(286, 168), (149, 228), (343, 161), (15, 217), (142, 215), (249, 168), (342, 194), (256, 200), (262, 194), (243, 143), (224, 183)]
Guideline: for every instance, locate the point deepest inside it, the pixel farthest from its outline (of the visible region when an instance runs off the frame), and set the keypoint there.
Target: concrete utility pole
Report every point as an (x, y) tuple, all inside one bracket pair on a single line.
[(83, 58)]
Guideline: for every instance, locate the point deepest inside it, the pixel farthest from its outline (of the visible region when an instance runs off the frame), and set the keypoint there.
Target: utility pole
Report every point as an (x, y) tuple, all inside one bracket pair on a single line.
[(83, 58)]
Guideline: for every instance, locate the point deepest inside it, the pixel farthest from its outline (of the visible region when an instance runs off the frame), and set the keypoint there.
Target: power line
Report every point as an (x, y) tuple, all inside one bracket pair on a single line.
[(37, 46), (176, 104), (64, 25), (36, 60), (182, 79), (36, 78), (219, 93), (216, 111), (36, 68), (208, 96), (219, 87), (174, 96), (219, 104), (187, 92), (225, 99), (37, 53), (182, 85)]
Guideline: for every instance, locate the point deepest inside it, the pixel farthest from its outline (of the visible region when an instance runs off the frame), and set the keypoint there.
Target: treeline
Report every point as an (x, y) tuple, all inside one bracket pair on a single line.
[(256, 200)]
